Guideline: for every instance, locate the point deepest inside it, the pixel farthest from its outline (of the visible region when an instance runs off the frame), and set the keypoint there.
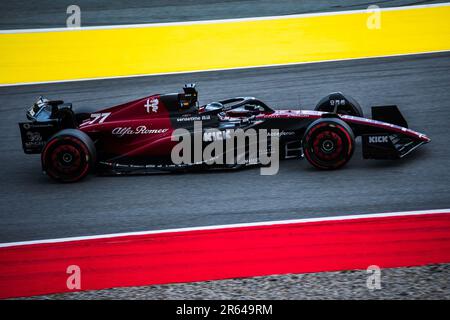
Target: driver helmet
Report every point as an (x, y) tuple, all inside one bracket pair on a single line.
[(213, 106)]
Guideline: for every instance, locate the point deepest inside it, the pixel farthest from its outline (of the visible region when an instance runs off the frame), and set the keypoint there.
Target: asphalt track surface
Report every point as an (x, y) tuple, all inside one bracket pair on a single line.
[(33, 207), (24, 14)]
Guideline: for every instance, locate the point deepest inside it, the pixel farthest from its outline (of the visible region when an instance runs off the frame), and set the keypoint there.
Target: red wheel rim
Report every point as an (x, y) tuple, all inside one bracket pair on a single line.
[(66, 159), (328, 146)]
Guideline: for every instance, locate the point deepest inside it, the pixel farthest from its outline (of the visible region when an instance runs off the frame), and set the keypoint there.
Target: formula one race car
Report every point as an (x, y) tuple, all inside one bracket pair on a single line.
[(137, 137)]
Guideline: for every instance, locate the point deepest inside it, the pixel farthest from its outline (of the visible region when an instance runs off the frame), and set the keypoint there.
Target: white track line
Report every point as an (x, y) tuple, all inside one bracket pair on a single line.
[(230, 226), (293, 16), (219, 69)]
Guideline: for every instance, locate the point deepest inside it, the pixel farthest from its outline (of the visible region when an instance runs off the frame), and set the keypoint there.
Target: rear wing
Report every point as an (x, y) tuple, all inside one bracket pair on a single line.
[(46, 117)]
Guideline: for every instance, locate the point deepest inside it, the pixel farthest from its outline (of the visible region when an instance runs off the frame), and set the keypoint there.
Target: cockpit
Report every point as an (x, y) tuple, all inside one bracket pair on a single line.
[(187, 103), (238, 107)]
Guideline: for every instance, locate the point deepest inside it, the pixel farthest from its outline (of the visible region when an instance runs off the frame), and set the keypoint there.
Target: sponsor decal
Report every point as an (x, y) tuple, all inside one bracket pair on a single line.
[(194, 118), (378, 139), (294, 114), (34, 139), (34, 136), (123, 131), (337, 102), (280, 134), (216, 135), (28, 126), (152, 105)]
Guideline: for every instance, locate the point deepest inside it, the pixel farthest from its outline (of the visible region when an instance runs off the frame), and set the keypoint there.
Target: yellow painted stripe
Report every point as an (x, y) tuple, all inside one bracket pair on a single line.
[(79, 54)]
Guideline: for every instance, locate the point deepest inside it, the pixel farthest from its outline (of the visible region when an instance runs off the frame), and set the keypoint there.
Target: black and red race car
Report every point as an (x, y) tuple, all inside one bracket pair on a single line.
[(136, 137)]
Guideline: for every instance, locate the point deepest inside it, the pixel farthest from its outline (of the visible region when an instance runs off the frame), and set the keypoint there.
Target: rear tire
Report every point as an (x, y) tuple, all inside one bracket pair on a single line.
[(328, 143), (68, 156)]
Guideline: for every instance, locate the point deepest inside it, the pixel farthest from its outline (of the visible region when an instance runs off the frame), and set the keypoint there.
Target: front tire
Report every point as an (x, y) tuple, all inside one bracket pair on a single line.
[(68, 156), (328, 143), (349, 106)]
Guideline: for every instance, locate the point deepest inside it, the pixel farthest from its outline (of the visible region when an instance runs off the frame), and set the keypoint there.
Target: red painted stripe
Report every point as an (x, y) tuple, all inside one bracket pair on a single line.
[(227, 253)]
